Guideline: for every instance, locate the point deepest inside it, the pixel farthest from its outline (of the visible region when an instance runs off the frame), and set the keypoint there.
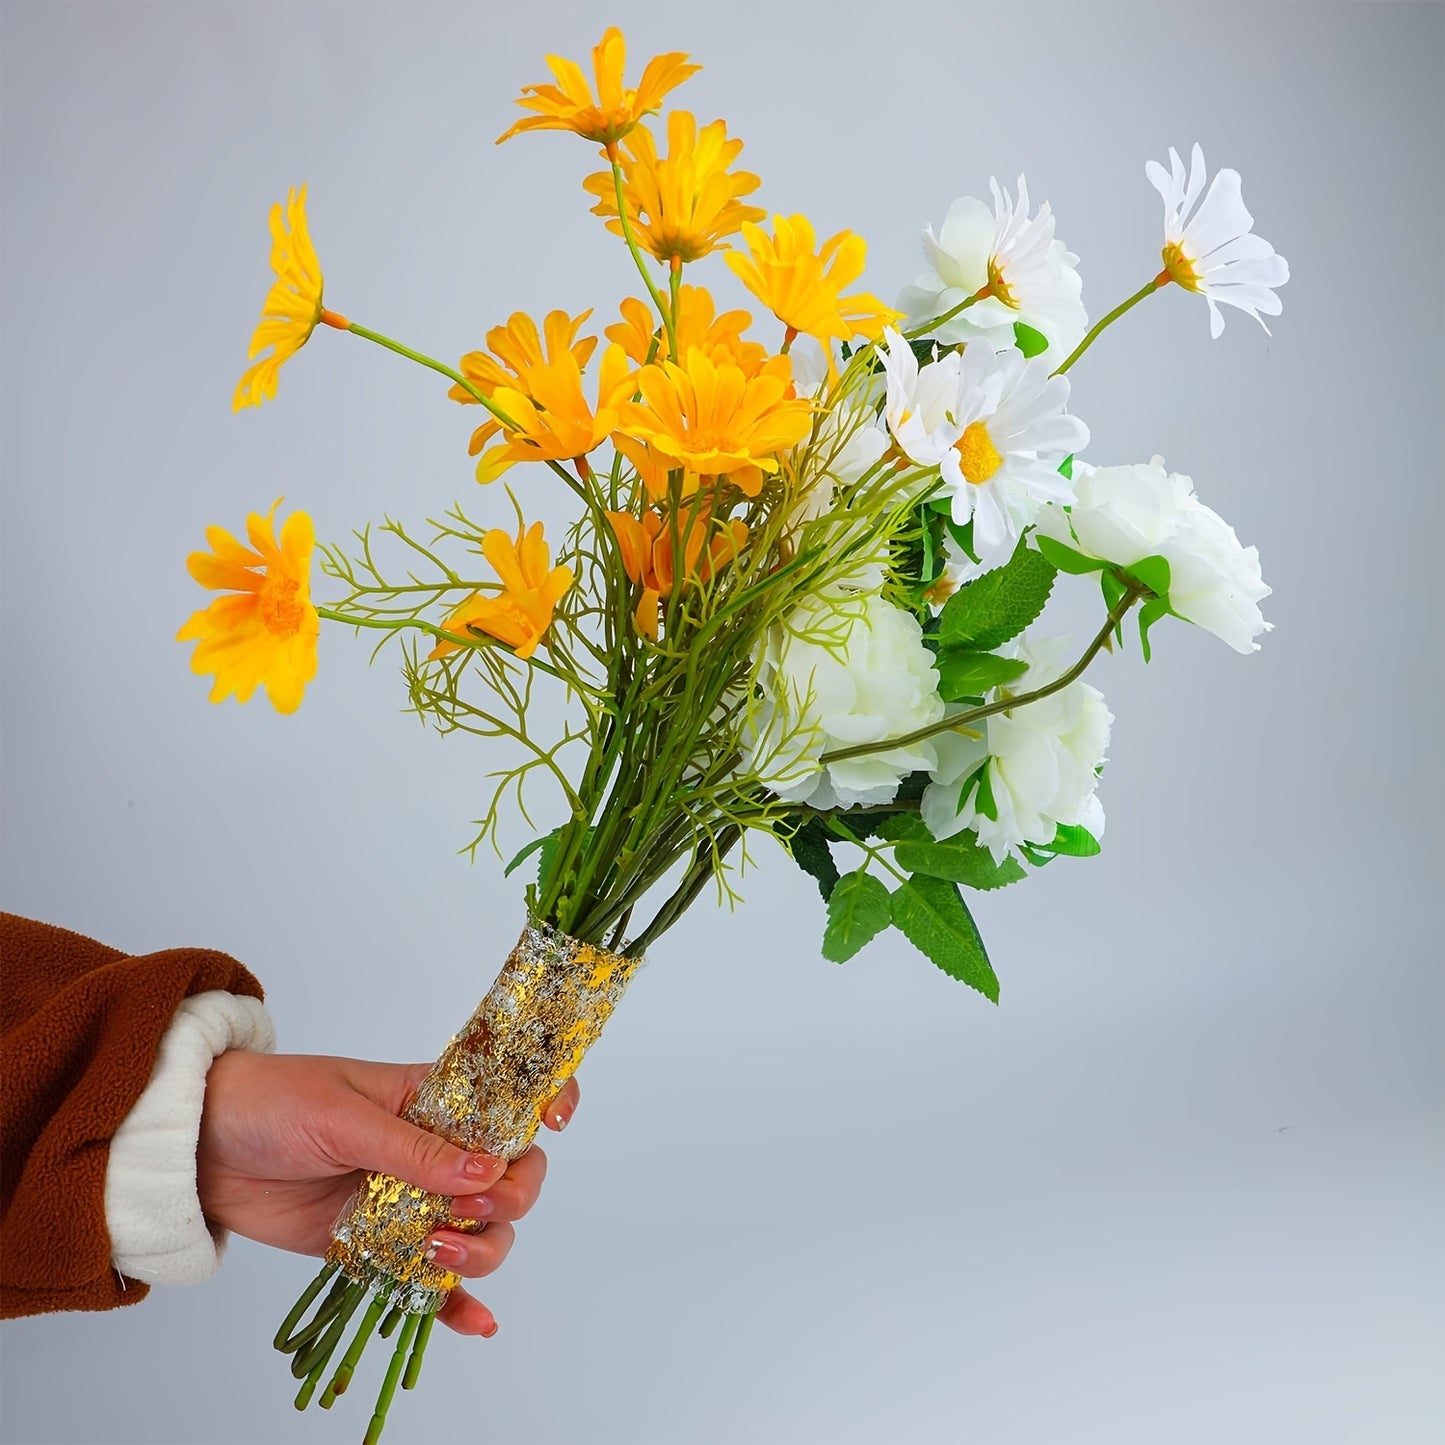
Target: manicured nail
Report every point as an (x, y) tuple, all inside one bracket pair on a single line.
[(476, 1206), (482, 1166), (444, 1253), (561, 1120)]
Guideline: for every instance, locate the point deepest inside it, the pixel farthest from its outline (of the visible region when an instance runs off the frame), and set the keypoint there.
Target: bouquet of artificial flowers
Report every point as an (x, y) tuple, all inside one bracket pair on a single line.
[(794, 607)]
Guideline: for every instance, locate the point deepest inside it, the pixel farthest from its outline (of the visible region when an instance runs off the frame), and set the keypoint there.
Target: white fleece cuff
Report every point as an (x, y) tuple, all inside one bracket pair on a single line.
[(152, 1210)]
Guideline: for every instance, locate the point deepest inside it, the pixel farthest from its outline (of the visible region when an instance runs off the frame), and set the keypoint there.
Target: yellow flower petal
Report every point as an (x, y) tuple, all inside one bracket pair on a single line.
[(522, 612), (292, 307), (569, 104), (802, 286), (685, 204)]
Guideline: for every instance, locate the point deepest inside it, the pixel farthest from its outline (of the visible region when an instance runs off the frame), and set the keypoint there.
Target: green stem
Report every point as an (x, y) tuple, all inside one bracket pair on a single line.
[(418, 1350), (708, 860), (308, 1386), (946, 317), (349, 1361), (314, 1359), (902, 805), (452, 374), (1162, 279), (1004, 704), (284, 1341), (874, 854), (471, 640), (422, 359), (393, 1374), (668, 320), (674, 287)]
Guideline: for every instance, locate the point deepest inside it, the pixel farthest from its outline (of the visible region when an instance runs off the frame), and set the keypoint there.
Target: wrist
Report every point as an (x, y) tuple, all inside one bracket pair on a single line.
[(159, 1232)]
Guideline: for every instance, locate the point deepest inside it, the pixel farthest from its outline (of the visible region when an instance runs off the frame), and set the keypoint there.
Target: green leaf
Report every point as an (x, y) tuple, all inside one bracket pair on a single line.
[(1149, 614), (933, 917), (1029, 341), (548, 856), (927, 520), (903, 827), (1153, 572), (999, 605), (925, 349), (529, 850), (1066, 559), (1112, 588), (960, 859), (984, 802), (913, 786), (810, 851), (1066, 467), (962, 534), (858, 910), (1073, 841), (963, 673)]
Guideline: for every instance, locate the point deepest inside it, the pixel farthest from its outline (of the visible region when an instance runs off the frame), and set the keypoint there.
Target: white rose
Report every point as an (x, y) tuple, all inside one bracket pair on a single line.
[(841, 671), (1042, 761), (1124, 514)]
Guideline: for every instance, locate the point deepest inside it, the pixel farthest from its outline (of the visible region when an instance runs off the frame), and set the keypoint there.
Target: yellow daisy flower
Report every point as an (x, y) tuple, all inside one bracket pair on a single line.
[(522, 612), (681, 206), (802, 287), (648, 557), (263, 631), (697, 324), (551, 418), (293, 306), (515, 349), (569, 105), (714, 419)]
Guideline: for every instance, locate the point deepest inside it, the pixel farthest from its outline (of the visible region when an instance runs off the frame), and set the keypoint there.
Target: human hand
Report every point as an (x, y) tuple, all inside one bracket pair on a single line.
[(285, 1138)]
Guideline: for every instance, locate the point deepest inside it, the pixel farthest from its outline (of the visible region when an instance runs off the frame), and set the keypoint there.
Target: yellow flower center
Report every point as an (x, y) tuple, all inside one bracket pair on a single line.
[(1180, 267), (280, 604), (977, 455), (998, 287)]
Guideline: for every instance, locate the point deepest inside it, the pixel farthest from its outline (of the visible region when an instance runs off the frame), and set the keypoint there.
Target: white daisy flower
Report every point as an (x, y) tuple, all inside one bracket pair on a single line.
[(1032, 769), (1012, 263), (995, 426), (1214, 250)]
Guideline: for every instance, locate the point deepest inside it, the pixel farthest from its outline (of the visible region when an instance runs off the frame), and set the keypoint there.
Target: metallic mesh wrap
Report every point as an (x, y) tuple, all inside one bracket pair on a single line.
[(486, 1095)]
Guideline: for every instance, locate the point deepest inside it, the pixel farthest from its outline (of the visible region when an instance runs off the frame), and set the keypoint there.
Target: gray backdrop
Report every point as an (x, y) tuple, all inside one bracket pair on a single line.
[(1184, 1184)]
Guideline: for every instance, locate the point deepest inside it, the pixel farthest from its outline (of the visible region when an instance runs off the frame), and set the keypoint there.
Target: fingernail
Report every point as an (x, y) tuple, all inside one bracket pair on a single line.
[(487, 1334), (476, 1206), (482, 1166), (444, 1253), (561, 1120)]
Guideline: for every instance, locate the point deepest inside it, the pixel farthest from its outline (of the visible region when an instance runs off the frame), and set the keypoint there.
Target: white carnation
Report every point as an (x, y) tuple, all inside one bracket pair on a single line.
[(841, 671), (1041, 760), (1124, 514)]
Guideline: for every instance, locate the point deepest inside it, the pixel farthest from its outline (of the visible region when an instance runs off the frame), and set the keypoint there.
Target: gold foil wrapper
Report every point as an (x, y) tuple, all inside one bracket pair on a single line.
[(486, 1095)]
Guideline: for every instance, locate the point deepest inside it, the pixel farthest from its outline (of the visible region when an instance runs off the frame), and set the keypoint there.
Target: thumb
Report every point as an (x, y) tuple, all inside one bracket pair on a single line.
[(372, 1139)]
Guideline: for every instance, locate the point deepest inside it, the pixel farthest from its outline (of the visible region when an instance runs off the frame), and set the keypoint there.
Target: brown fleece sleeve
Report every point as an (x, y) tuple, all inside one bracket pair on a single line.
[(80, 1027)]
